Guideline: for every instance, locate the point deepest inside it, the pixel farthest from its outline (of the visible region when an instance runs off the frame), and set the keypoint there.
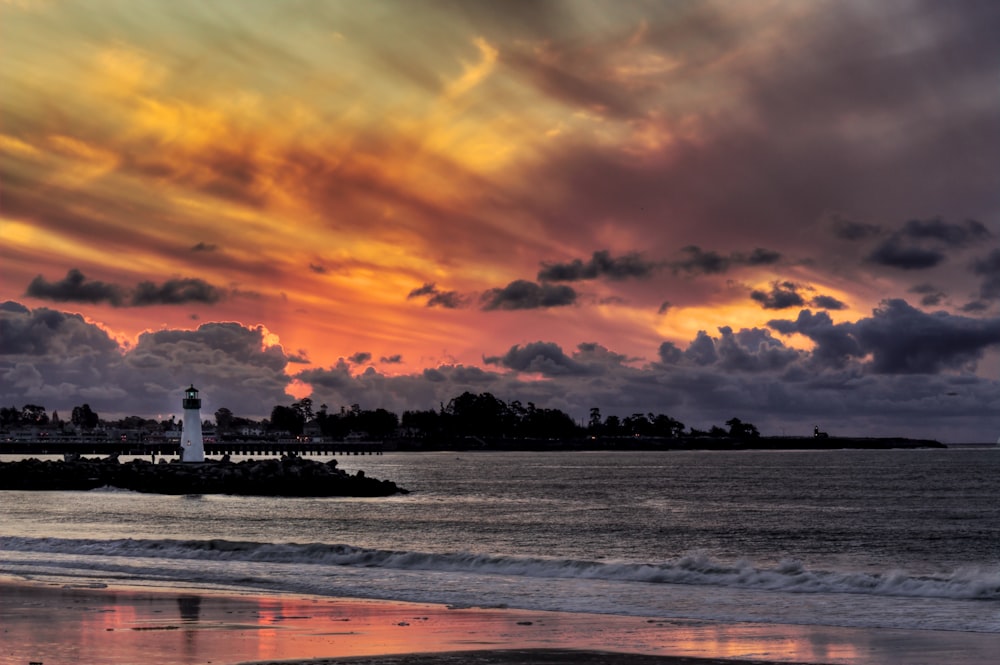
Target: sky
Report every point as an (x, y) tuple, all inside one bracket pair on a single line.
[(781, 211)]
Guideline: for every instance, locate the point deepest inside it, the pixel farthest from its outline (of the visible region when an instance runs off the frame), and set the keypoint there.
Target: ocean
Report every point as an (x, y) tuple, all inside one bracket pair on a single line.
[(906, 539)]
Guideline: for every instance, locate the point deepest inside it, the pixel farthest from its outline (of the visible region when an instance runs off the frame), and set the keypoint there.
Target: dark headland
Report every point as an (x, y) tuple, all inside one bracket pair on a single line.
[(690, 443), (288, 476)]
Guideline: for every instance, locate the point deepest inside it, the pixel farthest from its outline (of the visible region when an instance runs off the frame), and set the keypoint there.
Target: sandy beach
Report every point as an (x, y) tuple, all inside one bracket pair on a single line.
[(62, 625)]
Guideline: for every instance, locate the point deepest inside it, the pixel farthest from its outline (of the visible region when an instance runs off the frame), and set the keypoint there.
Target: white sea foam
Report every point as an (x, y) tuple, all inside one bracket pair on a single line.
[(697, 568)]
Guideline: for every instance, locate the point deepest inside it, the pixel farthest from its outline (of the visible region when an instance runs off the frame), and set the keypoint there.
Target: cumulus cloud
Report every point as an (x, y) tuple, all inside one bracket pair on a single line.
[(61, 361), (522, 294), (394, 359), (360, 358), (898, 339), (543, 358), (880, 375), (601, 264)]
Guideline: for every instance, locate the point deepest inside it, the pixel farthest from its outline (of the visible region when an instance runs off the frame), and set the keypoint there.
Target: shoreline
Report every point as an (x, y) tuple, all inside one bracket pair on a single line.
[(118, 625)]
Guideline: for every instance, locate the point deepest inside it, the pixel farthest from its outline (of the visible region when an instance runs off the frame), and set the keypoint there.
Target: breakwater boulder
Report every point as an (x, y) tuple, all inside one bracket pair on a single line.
[(288, 476)]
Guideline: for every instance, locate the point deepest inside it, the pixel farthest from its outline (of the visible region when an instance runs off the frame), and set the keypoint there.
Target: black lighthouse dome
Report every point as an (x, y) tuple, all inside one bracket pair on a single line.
[(191, 399)]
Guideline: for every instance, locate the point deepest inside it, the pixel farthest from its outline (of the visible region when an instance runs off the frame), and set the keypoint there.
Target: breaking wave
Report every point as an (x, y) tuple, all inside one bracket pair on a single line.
[(695, 568)]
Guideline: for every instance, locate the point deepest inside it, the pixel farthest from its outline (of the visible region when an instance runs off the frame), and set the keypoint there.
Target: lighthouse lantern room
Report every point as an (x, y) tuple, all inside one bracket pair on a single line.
[(192, 446)]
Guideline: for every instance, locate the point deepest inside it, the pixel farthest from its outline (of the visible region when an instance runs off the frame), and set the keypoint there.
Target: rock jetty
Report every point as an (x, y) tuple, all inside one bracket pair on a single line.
[(288, 476)]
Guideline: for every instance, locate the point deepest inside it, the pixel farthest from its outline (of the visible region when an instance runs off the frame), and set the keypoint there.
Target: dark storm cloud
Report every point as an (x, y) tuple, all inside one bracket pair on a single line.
[(360, 358), (175, 292), (952, 235), (898, 338), (75, 288), (930, 296), (700, 262), (438, 298), (429, 288), (522, 294), (989, 269), (543, 358), (299, 358), (601, 264), (752, 350), (920, 244), (758, 257), (835, 346), (828, 302), (894, 254), (784, 295), (903, 339), (781, 296)]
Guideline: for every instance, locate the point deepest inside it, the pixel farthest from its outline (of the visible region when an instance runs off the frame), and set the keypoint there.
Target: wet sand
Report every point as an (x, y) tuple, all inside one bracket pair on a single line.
[(56, 625)]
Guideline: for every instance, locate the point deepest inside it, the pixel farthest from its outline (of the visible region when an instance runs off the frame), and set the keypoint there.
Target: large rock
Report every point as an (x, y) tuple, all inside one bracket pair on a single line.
[(288, 476)]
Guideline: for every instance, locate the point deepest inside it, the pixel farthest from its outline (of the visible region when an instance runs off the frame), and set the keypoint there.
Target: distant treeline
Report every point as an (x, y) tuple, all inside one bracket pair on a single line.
[(468, 415)]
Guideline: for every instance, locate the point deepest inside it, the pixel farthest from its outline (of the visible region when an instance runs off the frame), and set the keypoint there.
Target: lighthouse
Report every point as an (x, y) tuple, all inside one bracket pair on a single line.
[(192, 447)]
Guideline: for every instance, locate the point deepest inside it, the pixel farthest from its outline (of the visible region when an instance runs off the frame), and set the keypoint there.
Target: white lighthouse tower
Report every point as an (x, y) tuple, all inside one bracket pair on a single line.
[(192, 447)]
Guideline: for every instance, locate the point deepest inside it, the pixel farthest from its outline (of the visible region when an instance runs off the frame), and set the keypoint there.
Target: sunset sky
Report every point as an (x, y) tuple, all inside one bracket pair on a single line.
[(784, 211)]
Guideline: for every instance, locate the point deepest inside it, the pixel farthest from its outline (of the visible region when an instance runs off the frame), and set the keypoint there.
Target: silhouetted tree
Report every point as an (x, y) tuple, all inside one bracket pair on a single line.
[(594, 424), (482, 415), (741, 430), (378, 423), (10, 416), (428, 423), (84, 418), (223, 419), (34, 414), (304, 407), (665, 426), (286, 419)]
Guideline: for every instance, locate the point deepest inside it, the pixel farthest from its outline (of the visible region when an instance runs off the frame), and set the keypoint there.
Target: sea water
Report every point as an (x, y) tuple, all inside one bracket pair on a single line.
[(893, 539)]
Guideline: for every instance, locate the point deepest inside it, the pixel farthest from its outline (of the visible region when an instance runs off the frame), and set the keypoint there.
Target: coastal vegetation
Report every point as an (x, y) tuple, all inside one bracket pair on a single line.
[(468, 421), (467, 415)]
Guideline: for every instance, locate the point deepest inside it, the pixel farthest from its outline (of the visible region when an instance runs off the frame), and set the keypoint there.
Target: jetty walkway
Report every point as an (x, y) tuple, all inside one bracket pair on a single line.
[(259, 448)]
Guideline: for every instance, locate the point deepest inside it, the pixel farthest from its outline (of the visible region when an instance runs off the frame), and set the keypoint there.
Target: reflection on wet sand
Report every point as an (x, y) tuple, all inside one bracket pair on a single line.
[(117, 627)]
